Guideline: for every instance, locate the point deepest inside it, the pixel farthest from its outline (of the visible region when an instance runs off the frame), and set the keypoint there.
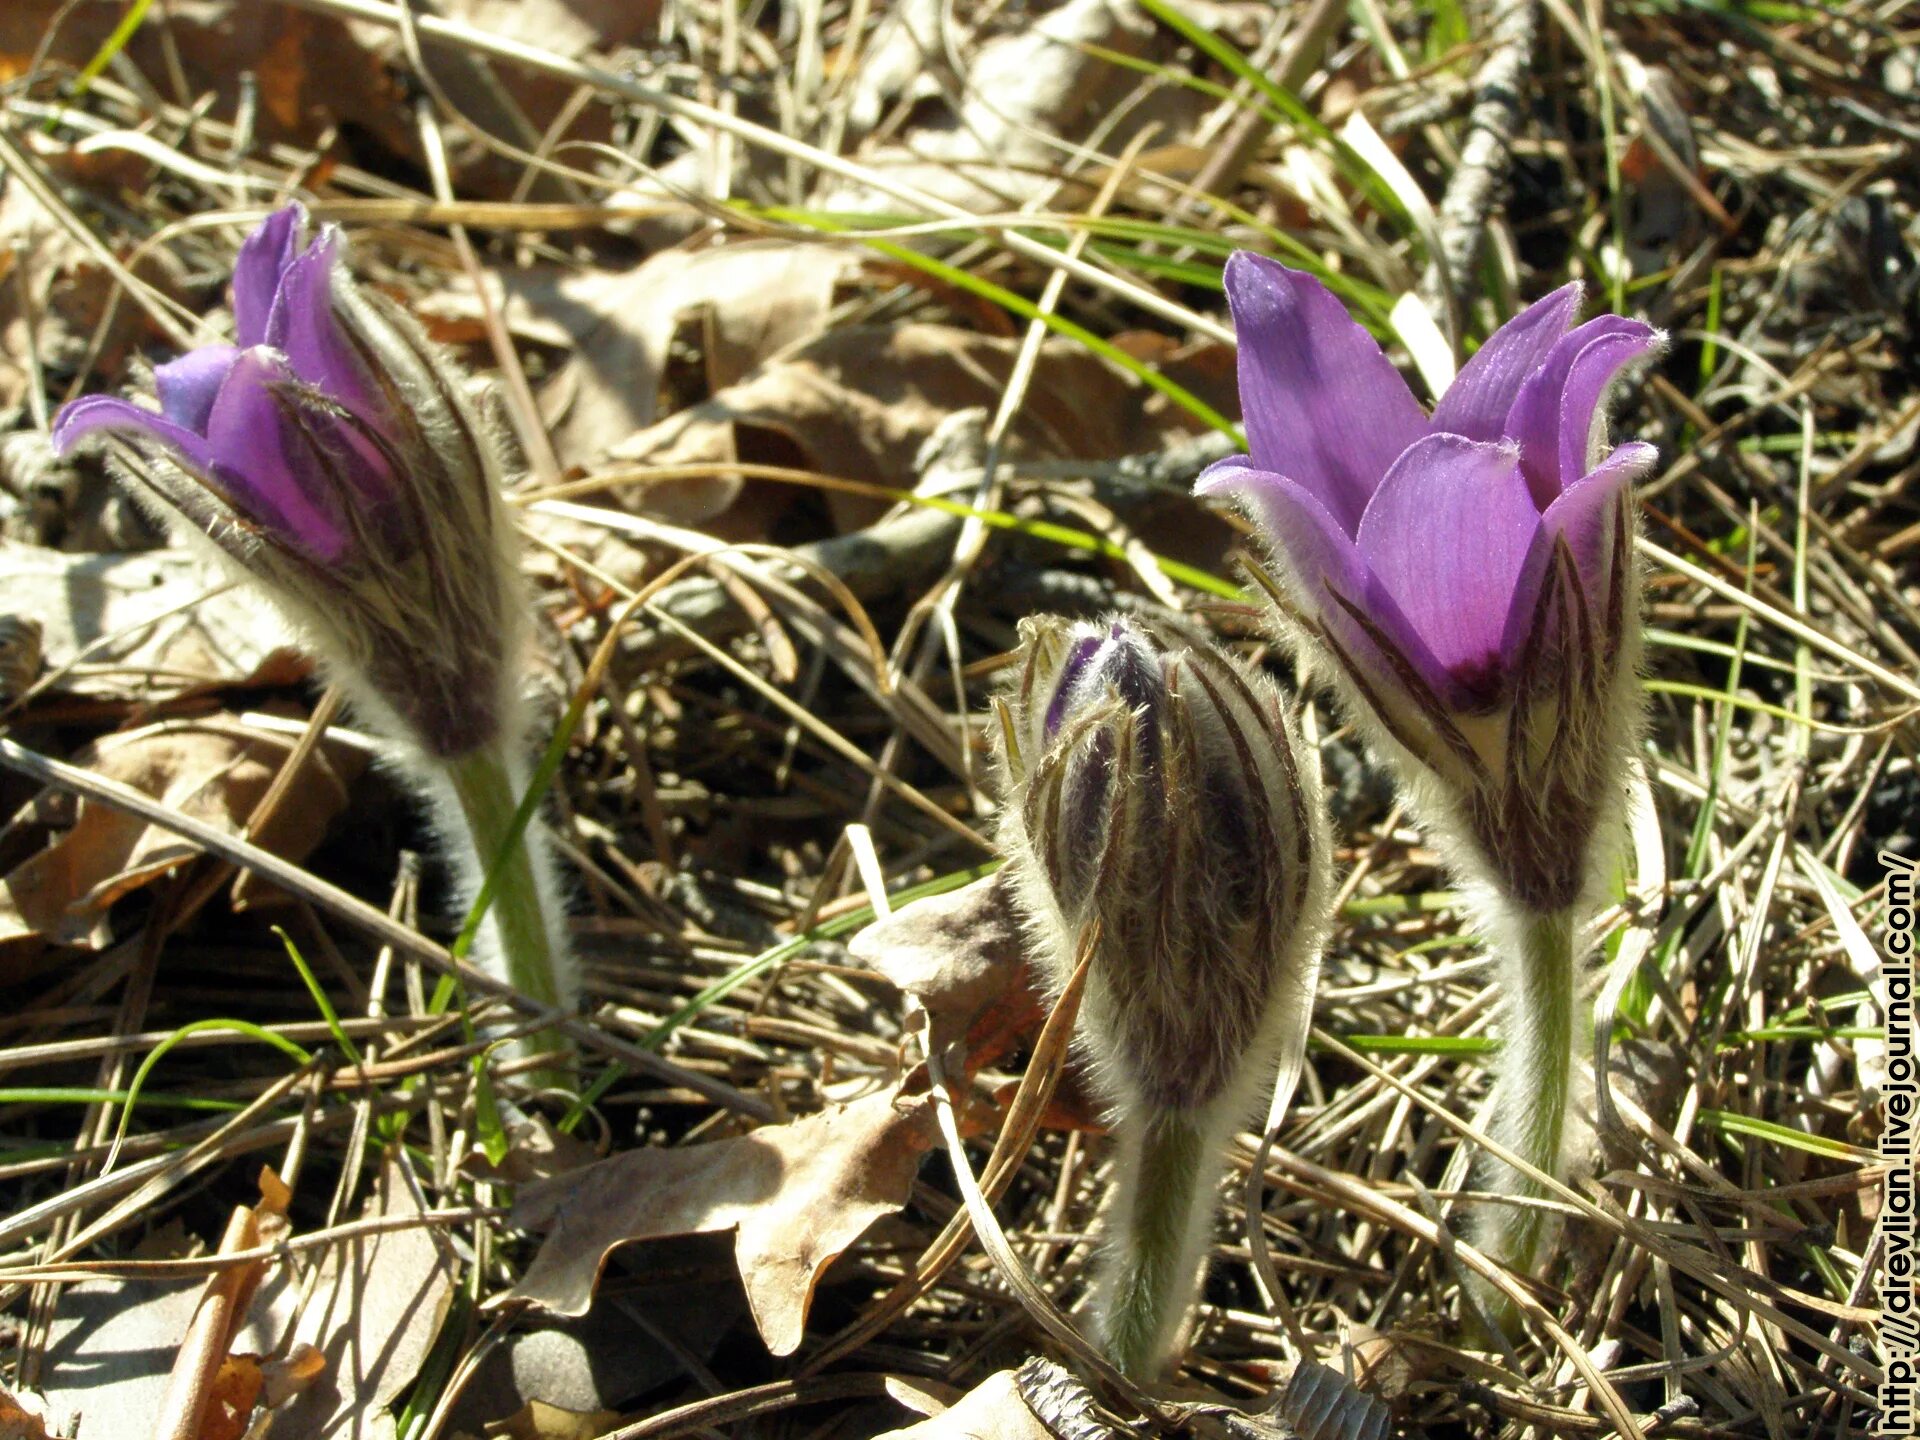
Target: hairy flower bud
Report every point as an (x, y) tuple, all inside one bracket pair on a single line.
[(1161, 797), (332, 455), (1157, 815)]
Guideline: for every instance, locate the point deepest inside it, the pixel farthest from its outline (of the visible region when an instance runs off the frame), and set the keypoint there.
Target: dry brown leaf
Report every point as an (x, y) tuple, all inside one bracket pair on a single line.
[(160, 611), (315, 72), (374, 1314), (796, 1195), (860, 401), (209, 770), (537, 1420), (992, 1410), (311, 69), (961, 957), (282, 1379), (236, 1389), (19, 1423), (752, 300)]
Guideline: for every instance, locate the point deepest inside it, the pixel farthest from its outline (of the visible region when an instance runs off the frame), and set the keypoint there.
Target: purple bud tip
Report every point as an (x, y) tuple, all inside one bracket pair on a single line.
[(279, 428), (1078, 658)]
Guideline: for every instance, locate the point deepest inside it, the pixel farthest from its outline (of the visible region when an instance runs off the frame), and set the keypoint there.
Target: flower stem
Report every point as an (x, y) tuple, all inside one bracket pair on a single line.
[(1159, 1224), (1535, 1080), (522, 924)]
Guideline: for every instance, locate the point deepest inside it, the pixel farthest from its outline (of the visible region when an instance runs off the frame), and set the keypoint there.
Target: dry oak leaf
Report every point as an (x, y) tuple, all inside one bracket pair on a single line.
[(752, 299), (859, 402), (18, 1423), (961, 957), (211, 770), (992, 1410), (795, 1195)]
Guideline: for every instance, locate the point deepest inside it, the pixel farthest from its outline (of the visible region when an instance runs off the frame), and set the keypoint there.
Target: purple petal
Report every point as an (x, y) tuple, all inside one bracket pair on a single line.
[(1584, 511), (1584, 516), (256, 274), (264, 469), (113, 415), (1477, 402), (1582, 411), (1536, 419), (1447, 535), (188, 386), (303, 325), (1127, 663), (1323, 565), (1320, 401)]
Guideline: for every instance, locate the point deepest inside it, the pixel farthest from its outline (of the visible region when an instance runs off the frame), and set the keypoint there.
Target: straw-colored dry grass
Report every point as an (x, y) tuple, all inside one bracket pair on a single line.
[(1717, 1268)]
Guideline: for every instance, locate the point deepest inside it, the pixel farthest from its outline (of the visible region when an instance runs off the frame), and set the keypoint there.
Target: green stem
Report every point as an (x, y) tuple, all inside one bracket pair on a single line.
[(524, 932), (1536, 1079), (1153, 1245)]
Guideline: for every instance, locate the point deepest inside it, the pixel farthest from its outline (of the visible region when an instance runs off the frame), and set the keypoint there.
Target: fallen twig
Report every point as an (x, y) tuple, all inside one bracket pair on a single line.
[(1481, 176)]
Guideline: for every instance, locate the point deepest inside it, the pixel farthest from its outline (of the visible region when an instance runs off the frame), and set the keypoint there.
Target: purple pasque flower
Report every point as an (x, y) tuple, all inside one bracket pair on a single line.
[(246, 418), (333, 456), (1154, 793), (1469, 571)]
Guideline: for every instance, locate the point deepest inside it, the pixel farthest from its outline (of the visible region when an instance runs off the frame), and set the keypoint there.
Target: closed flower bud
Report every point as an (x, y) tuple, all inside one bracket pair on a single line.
[(1164, 800), (1157, 811)]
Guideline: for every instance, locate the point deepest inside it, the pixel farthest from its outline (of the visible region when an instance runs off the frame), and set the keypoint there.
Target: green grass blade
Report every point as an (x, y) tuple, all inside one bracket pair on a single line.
[(1751, 1127), (1060, 325), (1422, 1044), (320, 1001), (241, 1027)]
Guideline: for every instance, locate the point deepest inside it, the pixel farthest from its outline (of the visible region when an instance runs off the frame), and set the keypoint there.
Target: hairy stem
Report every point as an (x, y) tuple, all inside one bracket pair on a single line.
[(1535, 1080), (1160, 1222), (521, 925)]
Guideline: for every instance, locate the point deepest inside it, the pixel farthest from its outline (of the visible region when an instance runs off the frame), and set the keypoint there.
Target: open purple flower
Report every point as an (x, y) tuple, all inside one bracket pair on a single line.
[(332, 456), (1468, 571)]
